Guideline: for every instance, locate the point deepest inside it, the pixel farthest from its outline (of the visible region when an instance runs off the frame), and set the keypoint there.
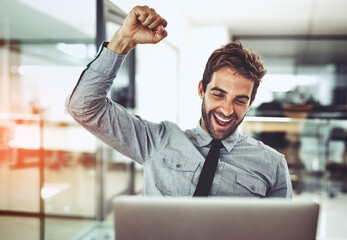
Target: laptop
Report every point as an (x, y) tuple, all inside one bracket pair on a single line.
[(153, 218)]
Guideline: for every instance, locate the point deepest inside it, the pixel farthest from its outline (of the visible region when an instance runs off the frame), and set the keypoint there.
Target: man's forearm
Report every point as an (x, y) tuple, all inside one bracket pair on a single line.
[(93, 85)]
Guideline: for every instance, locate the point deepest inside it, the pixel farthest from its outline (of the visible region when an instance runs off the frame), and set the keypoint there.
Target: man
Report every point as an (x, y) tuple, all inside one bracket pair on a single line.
[(174, 160)]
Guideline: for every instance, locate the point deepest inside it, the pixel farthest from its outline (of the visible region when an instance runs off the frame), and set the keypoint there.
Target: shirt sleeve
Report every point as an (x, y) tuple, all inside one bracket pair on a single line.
[(89, 105), (283, 185)]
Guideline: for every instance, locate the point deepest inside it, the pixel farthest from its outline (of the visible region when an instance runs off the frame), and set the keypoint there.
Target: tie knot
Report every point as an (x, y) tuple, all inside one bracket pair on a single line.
[(217, 143)]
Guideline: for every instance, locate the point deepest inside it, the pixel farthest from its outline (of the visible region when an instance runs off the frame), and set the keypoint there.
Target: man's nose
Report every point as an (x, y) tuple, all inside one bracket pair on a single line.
[(227, 109)]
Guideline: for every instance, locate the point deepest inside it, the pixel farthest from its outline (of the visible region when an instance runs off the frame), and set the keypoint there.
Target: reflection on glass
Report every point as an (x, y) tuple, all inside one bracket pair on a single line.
[(19, 178)]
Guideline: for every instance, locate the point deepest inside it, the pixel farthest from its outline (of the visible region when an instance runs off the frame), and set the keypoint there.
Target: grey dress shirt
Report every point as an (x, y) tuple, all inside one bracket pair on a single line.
[(173, 158)]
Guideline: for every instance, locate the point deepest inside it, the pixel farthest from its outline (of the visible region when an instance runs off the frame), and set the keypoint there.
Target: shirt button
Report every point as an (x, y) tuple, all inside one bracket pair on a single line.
[(253, 188), (178, 165)]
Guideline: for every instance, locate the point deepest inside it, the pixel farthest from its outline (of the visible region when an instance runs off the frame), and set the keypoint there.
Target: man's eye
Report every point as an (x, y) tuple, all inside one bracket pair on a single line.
[(239, 101), (218, 95)]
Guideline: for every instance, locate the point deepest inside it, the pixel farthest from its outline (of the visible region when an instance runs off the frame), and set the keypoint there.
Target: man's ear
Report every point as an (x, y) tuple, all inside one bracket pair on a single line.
[(201, 90)]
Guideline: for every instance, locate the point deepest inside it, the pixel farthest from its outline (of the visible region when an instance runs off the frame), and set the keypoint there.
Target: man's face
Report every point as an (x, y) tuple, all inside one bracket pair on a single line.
[(225, 102)]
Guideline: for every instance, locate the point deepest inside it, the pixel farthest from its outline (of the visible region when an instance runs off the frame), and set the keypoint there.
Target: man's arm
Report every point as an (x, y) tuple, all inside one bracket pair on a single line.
[(283, 186), (107, 120)]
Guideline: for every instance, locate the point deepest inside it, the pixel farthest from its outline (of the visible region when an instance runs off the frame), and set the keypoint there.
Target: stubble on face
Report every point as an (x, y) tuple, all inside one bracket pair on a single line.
[(217, 133)]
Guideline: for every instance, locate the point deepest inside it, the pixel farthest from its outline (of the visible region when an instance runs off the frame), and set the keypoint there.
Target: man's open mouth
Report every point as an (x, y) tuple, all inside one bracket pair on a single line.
[(221, 121)]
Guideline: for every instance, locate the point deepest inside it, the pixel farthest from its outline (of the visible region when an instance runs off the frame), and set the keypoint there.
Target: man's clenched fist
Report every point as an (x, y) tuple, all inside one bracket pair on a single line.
[(142, 25)]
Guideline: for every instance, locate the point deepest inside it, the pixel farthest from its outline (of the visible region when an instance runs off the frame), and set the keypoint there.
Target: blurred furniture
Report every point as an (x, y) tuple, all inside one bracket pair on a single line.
[(275, 139), (337, 167)]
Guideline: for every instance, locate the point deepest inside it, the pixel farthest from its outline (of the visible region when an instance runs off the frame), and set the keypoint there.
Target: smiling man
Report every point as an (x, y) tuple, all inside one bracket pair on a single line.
[(225, 101), (213, 159)]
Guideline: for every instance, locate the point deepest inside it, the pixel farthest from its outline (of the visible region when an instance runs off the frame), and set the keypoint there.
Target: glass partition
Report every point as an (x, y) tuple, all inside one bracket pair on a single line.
[(48, 174)]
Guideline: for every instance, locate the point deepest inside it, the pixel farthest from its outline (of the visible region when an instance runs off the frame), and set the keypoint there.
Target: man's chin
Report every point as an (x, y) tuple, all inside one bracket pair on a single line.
[(220, 135), (220, 132)]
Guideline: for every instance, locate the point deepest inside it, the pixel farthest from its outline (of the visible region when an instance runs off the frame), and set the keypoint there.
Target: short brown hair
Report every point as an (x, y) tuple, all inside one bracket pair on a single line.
[(233, 55)]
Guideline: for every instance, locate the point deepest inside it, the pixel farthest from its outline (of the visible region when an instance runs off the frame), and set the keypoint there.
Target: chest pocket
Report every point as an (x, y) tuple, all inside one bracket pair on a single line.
[(176, 176), (253, 185)]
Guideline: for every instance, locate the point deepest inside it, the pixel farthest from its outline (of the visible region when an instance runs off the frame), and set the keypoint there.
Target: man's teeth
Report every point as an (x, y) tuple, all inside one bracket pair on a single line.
[(223, 120)]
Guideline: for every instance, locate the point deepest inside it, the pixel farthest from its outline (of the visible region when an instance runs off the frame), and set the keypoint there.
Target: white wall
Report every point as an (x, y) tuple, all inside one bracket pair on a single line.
[(157, 90)]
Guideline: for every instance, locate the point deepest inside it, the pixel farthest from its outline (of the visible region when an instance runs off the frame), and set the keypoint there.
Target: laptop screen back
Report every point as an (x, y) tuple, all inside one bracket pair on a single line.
[(214, 218)]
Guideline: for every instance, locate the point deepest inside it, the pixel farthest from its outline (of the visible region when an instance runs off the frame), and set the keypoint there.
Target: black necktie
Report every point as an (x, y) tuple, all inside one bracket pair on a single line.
[(208, 170)]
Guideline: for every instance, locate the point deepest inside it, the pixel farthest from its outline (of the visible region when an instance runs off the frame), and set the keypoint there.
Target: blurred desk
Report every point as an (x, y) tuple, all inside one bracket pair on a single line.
[(30, 133), (273, 124)]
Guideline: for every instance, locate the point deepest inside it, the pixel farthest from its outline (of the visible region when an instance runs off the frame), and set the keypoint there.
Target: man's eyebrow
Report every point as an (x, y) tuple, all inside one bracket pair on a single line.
[(243, 96), (225, 92), (219, 89)]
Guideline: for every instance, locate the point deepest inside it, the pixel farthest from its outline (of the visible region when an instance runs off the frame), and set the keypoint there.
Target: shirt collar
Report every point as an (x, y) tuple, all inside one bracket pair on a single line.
[(203, 138)]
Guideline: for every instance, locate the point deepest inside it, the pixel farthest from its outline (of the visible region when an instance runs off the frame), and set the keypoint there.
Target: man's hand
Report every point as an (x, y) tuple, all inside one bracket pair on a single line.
[(142, 25)]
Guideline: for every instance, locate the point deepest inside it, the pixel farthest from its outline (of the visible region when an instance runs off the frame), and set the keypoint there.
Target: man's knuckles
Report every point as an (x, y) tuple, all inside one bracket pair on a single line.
[(151, 18)]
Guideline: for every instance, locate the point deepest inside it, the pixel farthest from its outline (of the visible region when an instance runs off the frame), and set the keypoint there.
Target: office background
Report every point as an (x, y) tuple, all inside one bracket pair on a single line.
[(57, 181)]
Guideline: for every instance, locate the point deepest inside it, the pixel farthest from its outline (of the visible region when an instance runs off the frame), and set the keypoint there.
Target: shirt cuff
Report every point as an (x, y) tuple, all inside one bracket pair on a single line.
[(106, 61)]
